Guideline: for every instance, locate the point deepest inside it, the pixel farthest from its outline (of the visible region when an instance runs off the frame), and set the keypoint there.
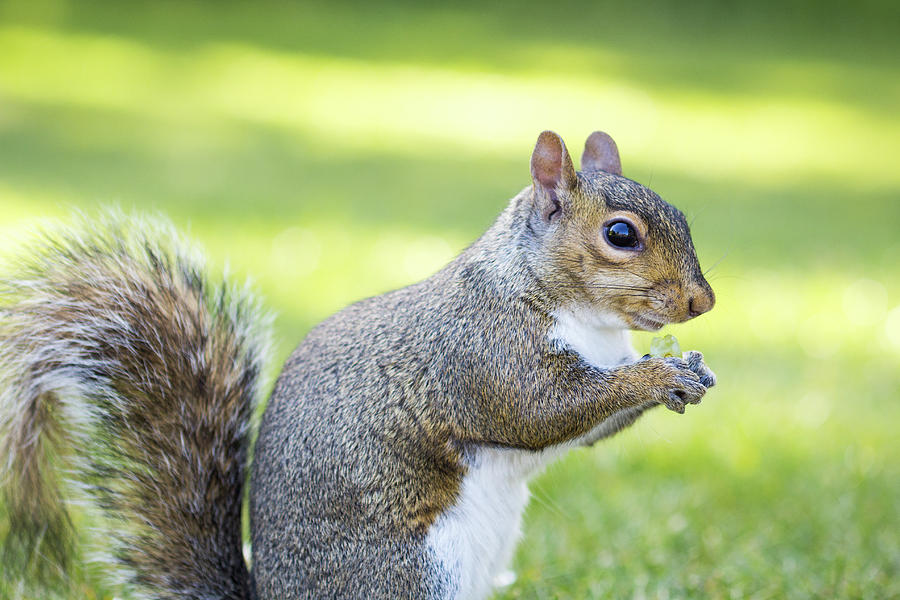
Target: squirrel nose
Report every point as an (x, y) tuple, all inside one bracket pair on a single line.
[(700, 303)]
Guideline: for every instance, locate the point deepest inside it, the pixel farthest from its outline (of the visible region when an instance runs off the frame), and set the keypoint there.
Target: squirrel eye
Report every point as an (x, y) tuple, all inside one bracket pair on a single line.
[(621, 235)]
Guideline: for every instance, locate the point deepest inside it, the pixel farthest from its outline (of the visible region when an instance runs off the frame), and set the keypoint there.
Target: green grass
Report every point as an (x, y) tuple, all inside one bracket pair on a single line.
[(333, 152)]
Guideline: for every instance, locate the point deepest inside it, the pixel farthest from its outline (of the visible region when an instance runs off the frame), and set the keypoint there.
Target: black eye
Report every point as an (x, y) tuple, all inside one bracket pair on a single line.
[(621, 235)]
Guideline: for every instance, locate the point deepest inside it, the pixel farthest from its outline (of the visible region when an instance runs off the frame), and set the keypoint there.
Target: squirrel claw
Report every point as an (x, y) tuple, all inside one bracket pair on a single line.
[(671, 382), (695, 363), (675, 403)]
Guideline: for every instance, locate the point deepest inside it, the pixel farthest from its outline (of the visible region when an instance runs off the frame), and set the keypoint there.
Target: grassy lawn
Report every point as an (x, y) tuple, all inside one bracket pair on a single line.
[(335, 151)]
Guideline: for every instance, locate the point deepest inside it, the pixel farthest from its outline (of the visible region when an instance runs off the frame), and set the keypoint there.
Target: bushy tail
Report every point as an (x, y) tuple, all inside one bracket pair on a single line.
[(126, 377)]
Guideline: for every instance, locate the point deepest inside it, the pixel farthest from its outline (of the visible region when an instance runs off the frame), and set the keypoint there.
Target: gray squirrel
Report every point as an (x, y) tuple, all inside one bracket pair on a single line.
[(393, 455)]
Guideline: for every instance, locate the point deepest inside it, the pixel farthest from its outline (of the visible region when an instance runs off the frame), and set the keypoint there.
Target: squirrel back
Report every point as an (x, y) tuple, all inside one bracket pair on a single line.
[(124, 367)]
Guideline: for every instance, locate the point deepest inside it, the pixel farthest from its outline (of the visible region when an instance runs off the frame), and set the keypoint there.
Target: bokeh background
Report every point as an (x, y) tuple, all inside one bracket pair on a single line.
[(335, 150)]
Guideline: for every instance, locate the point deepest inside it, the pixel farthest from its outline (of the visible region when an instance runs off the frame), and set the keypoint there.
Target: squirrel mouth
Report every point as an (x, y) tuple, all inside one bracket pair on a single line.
[(648, 323)]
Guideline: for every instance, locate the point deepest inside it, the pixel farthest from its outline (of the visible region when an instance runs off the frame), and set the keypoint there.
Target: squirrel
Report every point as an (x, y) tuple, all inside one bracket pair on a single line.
[(394, 452)]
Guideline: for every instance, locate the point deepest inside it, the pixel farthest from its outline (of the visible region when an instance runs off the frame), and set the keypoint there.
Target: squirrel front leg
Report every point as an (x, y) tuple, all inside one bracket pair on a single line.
[(625, 418), (565, 397)]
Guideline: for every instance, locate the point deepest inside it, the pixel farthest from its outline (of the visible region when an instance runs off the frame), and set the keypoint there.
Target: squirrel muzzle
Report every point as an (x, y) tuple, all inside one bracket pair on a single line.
[(701, 298)]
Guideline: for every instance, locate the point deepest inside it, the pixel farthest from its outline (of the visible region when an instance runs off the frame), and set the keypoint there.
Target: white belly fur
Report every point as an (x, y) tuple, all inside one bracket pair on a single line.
[(474, 540)]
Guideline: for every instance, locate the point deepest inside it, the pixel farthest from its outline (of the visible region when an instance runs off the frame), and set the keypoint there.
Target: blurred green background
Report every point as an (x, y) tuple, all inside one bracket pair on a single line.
[(332, 151)]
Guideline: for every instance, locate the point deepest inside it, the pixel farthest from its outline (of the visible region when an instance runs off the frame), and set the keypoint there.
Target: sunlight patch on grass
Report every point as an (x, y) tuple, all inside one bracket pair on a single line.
[(21, 212), (819, 315), (413, 108)]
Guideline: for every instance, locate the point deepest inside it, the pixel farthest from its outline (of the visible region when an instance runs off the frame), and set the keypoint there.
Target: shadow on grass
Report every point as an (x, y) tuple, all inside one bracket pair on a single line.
[(726, 47)]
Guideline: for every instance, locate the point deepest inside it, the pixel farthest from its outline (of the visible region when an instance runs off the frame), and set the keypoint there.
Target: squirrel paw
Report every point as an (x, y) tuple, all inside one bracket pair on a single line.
[(695, 363), (673, 382)]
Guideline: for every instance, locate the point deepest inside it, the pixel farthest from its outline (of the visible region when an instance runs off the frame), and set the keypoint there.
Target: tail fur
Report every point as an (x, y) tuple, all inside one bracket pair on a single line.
[(127, 378)]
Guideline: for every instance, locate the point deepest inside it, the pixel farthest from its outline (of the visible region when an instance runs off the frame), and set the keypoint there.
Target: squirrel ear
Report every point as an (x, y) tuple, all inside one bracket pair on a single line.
[(551, 169), (601, 154)]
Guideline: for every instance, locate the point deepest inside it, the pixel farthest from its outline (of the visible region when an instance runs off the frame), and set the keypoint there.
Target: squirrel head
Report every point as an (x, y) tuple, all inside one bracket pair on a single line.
[(603, 241)]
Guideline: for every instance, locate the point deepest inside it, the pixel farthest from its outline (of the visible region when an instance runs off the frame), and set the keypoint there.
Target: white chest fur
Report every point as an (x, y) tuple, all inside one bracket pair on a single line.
[(474, 540), (600, 339)]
